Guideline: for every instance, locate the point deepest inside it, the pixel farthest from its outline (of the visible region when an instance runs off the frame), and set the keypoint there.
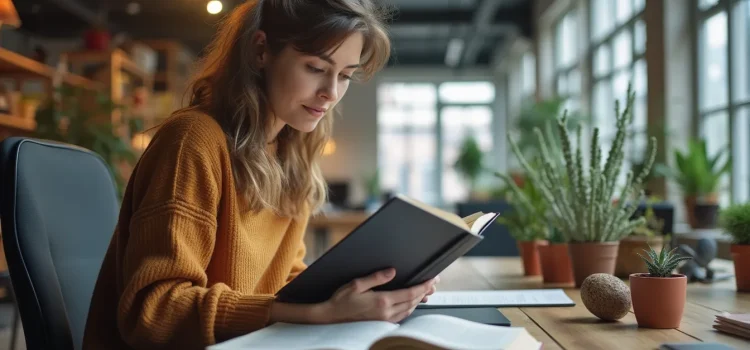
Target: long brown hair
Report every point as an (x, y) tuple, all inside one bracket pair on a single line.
[(230, 87)]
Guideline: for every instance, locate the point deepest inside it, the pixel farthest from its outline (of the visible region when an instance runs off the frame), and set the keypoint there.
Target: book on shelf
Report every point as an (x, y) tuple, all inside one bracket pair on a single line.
[(416, 239), (735, 324), (433, 332)]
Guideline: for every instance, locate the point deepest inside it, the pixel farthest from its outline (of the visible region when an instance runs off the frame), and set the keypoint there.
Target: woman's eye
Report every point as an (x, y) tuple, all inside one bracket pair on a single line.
[(347, 77), (314, 69)]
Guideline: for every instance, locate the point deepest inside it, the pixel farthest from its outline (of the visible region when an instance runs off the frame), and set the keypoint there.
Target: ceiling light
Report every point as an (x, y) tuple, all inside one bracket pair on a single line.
[(214, 7)]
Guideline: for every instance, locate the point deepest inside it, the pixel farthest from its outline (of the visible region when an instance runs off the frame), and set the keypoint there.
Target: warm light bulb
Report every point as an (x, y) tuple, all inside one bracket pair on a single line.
[(329, 148), (214, 7)]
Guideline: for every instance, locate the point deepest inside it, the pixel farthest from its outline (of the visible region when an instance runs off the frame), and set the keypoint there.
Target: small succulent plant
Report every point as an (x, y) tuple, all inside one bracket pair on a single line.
[(663, 263)]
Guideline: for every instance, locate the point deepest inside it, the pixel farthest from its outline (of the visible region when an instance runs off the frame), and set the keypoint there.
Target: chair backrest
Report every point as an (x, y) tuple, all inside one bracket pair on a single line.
[(58, 210)]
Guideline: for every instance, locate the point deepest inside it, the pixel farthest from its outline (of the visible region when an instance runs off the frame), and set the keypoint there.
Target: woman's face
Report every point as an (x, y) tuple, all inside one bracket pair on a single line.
[(301, 88)]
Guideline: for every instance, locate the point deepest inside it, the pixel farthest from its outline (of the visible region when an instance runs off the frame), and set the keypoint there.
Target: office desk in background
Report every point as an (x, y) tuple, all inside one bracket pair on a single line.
[(576, 328), (327, 229)]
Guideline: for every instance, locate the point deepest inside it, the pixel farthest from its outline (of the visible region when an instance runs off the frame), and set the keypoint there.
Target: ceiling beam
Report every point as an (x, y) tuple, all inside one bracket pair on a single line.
[(483, 16), (81, 11)]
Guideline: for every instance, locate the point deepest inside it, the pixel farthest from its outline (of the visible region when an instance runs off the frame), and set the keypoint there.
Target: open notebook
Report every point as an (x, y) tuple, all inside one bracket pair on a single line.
[(429, 332), (416, 239)]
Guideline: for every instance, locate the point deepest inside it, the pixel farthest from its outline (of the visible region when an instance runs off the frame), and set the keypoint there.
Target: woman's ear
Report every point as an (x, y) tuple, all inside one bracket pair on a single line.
[(261, 48)]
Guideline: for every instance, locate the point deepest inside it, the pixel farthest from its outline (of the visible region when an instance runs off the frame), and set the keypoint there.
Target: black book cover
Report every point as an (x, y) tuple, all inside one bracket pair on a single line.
[(402, 235)]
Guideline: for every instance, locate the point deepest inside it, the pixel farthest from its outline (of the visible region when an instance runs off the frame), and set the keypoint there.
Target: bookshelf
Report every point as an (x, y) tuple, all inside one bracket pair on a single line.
[(20, 69)]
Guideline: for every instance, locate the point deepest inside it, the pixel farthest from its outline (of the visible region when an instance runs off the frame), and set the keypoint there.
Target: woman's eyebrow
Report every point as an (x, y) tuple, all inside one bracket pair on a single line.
[(330, 60)]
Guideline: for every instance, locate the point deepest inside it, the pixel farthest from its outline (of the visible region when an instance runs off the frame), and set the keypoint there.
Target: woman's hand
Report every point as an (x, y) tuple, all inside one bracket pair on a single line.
[(356, 301)]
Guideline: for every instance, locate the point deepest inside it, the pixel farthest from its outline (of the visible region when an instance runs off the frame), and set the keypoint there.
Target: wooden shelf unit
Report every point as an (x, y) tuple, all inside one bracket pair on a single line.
[(175, 63), (20, 69), (114, 69)]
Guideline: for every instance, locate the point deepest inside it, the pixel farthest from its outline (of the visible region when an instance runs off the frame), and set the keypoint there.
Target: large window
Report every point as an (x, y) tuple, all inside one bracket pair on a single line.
[(618, 43), (567, 72), (724, 88), (421, 129)]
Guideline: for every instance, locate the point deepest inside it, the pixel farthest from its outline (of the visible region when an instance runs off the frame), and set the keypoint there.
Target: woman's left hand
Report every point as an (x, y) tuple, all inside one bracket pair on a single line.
[(434, 288)]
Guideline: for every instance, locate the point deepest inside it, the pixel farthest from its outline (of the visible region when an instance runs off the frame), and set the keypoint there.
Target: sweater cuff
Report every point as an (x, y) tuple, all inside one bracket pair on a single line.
[(241, 314)]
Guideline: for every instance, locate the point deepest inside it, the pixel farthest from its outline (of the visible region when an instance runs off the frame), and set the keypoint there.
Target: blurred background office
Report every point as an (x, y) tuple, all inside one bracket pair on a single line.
[(433, 125)]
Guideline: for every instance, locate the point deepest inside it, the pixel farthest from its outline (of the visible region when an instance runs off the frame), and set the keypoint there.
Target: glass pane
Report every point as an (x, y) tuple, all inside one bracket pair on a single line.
[(574, 82), (602, 107), (639, 128), (602, 24), (398, 116), (602, 61), (467, 92), (640, 86), (528, 84), (620, 89), (623, 11), (562, 85), (705, 4), (639, 37), (407, 164), (458, 123), (741, 51), (741, 156), (638, 5), (421, 94), (715, 130), (623, 49), (713, 62), (567, 40)]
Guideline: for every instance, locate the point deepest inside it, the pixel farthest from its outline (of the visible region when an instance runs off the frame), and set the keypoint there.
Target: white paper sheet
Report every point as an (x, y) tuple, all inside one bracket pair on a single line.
[(499, 298)]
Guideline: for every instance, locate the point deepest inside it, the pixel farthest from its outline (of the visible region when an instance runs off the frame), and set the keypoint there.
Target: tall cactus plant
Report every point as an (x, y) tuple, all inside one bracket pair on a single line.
[(580, 201)]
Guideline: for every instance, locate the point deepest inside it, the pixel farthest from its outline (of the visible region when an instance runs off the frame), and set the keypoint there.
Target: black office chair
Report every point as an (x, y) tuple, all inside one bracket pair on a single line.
[(58, 209)]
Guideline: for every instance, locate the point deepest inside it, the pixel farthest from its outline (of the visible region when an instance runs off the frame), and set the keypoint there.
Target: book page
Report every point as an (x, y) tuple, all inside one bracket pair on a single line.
[(287, 336), (447, 216), (455, 333), (479, 223), (499, 298)]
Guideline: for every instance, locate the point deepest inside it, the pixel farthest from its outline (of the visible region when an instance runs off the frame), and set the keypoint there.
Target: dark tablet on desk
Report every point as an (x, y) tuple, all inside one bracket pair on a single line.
[(485, 315)]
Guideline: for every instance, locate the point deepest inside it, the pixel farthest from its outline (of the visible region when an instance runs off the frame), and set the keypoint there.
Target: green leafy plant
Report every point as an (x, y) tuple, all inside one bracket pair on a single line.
[(580, 202), (735, 220), (541, 115), (662, 264), (652, 225), (83, 118), (527, 220), (469, 161), (697, 173)]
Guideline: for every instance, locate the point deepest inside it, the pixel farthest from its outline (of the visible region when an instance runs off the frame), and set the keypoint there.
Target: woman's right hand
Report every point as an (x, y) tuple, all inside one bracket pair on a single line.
[(356, 301)]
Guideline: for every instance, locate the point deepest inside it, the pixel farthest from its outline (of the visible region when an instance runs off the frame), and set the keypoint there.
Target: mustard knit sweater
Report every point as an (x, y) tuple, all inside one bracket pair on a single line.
[(187, 267)]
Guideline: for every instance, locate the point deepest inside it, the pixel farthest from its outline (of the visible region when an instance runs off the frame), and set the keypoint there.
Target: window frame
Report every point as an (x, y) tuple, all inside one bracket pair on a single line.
[(733, 105)]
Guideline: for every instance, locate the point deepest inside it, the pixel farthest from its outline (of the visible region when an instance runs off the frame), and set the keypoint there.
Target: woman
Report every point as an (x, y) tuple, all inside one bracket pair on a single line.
[(212, 221)]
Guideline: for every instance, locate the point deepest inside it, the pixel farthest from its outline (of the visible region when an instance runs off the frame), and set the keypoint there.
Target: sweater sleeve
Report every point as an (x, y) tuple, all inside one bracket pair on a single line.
[(166, 299)]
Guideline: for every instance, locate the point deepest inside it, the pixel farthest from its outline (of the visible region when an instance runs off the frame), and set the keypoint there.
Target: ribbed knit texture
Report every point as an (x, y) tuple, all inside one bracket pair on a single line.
[(187, 267)]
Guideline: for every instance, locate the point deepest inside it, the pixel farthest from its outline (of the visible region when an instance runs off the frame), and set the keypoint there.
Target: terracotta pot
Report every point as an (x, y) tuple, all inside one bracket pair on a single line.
[(741, 258), (658, 302), (628, 261), (588, 258), (530, 256), (555, 261)]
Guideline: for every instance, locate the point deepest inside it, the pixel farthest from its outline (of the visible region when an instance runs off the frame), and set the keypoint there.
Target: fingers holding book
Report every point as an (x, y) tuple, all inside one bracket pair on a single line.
[(357, 301)]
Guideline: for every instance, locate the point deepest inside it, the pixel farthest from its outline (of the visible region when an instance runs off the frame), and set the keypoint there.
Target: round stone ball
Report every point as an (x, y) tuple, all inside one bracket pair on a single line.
[(606, 296)]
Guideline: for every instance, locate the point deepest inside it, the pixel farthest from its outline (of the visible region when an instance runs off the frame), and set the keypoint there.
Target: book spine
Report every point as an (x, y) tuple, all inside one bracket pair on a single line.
[(447, 258)]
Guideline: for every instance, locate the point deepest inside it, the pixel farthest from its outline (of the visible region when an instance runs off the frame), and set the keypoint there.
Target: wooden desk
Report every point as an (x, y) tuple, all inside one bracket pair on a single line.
[(576, 328), (328, 229)]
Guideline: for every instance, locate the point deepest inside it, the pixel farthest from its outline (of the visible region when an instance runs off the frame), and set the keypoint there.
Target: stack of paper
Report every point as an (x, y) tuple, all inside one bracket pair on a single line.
[(736, 324)]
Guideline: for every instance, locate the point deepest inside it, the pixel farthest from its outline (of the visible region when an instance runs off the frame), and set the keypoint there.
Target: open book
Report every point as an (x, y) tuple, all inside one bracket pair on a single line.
[(418, 240), (424, 332)]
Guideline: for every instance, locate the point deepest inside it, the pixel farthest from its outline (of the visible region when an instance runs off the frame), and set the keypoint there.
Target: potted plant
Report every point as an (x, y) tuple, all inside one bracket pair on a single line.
[(735, 220), (699, 176), (82, 118), (659, 296), (469, 163), (642, 237), (555, 259), (526, 223), (580, 202)]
